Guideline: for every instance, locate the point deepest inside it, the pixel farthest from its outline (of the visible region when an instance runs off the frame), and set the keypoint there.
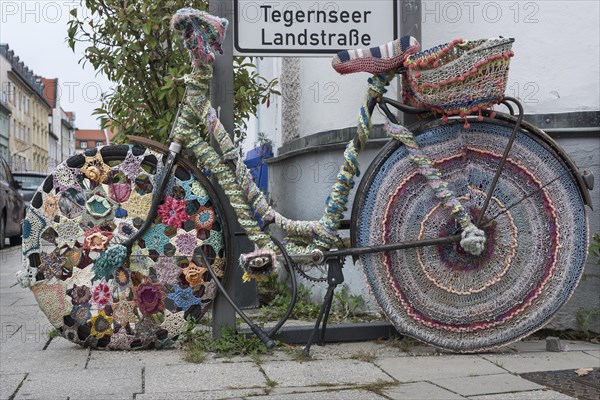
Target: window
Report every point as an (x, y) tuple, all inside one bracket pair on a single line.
[(99, 143), (27, 105), (83, 144)]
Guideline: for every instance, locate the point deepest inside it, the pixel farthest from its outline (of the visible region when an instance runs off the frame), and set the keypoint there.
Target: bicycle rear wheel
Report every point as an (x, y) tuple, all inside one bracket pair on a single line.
[(535, 225), (101, 198)]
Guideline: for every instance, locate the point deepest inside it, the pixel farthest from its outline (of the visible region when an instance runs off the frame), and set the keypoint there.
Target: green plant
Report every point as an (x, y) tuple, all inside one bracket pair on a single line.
[(130, 42), (349, 305), (52, 333), (585, 317), (198, 342), (276, 296), (362, 355)]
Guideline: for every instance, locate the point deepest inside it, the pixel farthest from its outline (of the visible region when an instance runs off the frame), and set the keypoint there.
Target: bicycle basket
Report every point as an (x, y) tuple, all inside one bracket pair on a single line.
[(460, 77)]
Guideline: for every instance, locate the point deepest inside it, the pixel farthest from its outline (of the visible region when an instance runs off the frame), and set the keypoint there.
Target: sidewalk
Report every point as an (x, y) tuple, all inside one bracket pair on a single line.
[(32, 366)]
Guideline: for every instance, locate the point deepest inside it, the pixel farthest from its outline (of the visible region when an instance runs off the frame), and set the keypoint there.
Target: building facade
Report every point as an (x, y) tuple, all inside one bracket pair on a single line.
[(29, 127), (5, 113), (317, 112), (89, 138), (62, 126)]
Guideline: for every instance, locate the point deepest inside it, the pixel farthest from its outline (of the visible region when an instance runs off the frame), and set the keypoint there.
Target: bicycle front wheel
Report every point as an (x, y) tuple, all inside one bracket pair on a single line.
[(535, 225), (100, 198)]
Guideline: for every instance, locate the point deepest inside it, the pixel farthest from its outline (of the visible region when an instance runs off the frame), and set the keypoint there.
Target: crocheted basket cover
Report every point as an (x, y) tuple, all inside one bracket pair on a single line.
[(535, 250), (78, 213), (460, 77)]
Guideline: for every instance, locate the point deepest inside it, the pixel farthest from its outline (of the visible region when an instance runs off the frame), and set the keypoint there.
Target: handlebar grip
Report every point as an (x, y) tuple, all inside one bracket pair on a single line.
[(262, 335)]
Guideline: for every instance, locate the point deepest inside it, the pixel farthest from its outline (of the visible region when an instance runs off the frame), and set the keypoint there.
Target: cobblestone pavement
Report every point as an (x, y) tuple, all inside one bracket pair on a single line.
[(33, 366)]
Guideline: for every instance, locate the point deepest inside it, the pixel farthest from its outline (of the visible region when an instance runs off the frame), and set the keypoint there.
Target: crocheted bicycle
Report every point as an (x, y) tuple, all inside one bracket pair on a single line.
[(471, 230)]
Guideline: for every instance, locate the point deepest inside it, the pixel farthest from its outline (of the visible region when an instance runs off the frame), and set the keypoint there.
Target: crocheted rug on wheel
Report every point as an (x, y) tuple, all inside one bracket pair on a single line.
[(535, 226), (99, 199)]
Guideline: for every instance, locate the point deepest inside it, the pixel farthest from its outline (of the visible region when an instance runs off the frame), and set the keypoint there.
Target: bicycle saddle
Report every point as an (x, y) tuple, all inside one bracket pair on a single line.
[(376, 60)]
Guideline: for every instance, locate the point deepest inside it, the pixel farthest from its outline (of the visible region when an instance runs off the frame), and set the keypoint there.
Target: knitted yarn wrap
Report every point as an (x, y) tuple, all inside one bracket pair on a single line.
[(460, 77), (198, 122), (201, 33)]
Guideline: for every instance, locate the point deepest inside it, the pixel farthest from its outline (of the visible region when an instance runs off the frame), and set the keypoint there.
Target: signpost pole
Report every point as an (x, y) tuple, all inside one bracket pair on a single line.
[(222, 91)]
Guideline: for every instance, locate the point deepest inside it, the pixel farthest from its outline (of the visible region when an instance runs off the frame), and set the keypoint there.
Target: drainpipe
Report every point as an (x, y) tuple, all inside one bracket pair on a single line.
[(410, 24)]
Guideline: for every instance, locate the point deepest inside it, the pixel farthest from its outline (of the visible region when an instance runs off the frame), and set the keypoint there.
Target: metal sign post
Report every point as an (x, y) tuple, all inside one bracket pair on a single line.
[(222, 91)]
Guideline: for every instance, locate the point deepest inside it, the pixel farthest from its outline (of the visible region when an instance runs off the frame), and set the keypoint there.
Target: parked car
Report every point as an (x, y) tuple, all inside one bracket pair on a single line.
[(30, 182), (12, 207)]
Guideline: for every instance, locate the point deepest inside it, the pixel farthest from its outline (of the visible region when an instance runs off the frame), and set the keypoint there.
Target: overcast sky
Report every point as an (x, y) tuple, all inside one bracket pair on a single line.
[(36, 31)]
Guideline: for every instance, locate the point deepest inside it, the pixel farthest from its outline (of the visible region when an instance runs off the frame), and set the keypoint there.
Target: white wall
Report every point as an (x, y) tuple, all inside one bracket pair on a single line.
[(556, 63), (555, 68)]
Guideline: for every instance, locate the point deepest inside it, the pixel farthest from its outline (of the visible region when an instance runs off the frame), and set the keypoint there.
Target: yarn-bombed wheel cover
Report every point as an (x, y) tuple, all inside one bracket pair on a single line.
[(99, 199), (536, 231)]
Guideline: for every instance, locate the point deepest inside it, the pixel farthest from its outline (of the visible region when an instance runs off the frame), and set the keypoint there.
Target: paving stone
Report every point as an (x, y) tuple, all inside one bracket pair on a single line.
[(202, 377), (420, 390), (327, 395), (593, 353), (60, 343), (487, 384), (532, 395), (528, 346), (108, 359), (352, 349), (9, 383), (116, 383), (413, 369), (43, 361), (323, 372), (532, 362), (212, 395), (579, 345)]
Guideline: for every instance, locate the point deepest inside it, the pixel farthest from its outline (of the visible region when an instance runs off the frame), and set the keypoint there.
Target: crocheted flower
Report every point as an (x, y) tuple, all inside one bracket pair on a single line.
[(194, 275), (185, 242), (79, 294), (125, 228), (101, 325), (83, 277), (150, 297), (183, 298), (204, 218), (64, 178), (98, 206), (174, 323), (72, 258), (68, 231), (146, 330), (96, 239), (131, 165), (52, 298), (81, 313), (215, 240), (143, 184), (155, 238), (119, 192), (137, 206), (120, 340), (122, 280), (124, 311), (95, 169), (52, 265), (101, 294), (50, 205), (172, 212), (210, 291), (198, 191), (140, 261), (167, 272)]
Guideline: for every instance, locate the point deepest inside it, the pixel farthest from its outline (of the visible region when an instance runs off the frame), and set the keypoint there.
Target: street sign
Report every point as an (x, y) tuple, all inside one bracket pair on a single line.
[(312, 28)]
